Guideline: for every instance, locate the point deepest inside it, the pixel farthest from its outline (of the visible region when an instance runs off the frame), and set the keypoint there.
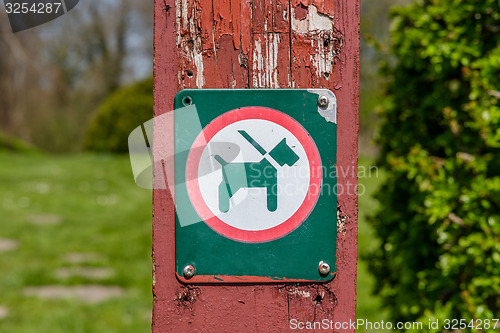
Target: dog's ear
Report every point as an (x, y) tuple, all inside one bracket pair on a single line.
[(283, 154)]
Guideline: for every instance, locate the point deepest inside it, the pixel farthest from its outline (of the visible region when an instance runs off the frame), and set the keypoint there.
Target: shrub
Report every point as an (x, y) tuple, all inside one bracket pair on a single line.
[(118, 115), (439, 218), (11, 144)]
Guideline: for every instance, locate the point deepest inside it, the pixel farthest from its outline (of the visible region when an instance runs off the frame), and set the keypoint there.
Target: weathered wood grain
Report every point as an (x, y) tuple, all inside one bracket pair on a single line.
[(256, 44)]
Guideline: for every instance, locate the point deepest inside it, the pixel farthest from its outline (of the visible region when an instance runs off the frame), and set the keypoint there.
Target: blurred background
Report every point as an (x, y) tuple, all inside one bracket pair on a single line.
[(75, 230)]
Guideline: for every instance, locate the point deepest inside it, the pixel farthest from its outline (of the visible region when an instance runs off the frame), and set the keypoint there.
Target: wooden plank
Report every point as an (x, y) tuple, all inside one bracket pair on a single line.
[(281, 15), (262, 16), (270, 56), (316, 45), (270, 61), (259, 43), (166, 84), (345, 83)]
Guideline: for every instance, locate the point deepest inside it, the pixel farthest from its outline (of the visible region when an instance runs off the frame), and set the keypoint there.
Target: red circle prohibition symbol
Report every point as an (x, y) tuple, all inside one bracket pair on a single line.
[(284, 228)]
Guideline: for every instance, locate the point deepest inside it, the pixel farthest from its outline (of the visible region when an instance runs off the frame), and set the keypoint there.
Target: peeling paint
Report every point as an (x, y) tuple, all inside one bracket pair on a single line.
[(265, 61), (187, 296), (189, 42), (257, 63), (323, 61), (298, 292), (341, 221), (315, 42), (314, 22), (198, 63)]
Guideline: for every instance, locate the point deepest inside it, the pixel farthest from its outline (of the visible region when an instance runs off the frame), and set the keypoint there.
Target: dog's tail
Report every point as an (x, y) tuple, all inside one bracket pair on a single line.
[(220, 160)]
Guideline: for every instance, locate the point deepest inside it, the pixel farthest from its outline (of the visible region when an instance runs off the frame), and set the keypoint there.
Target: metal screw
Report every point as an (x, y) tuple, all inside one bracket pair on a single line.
[(187, 101), (188, 271), (323, 101), (324, 268)]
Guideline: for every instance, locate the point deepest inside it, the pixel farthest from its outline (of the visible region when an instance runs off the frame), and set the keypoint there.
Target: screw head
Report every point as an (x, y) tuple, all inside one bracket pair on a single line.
[(323, 268), (323, 101), (188, 271)]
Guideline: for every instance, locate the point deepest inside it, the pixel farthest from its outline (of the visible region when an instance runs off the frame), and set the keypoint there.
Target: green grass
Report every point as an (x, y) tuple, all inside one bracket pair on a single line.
[(99, 210), (369, 306)]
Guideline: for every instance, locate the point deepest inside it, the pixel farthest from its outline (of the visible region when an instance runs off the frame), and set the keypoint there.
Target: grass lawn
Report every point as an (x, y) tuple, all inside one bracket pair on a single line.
[(79, 225), (369, 307)]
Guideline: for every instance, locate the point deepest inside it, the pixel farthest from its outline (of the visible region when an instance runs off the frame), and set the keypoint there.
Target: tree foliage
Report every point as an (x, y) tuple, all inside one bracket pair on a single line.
[(439, 219), (118, 116), (54, 76), (10, 144)]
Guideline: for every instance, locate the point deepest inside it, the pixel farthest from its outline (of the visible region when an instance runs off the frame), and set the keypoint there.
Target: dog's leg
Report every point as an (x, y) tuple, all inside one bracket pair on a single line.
[(224, 188), (223, 197), (272, 196)]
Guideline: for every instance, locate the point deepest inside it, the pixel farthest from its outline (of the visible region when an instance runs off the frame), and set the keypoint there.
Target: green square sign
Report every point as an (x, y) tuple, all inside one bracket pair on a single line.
[(255, 185)]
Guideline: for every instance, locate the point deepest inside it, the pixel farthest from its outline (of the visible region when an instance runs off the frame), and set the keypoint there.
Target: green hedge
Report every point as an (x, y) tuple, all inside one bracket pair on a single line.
[(118, 115), (439, 219)]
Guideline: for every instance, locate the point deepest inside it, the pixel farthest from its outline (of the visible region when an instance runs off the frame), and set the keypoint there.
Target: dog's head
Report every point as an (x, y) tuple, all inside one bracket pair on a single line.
[(283, 154)]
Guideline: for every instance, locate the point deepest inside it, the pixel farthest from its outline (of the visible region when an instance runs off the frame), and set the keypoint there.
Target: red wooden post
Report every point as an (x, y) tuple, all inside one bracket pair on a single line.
[(258, 44)]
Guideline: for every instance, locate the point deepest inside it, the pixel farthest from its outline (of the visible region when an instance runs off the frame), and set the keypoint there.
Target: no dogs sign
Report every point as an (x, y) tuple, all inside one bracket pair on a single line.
[(268, 189), (255, 189)]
